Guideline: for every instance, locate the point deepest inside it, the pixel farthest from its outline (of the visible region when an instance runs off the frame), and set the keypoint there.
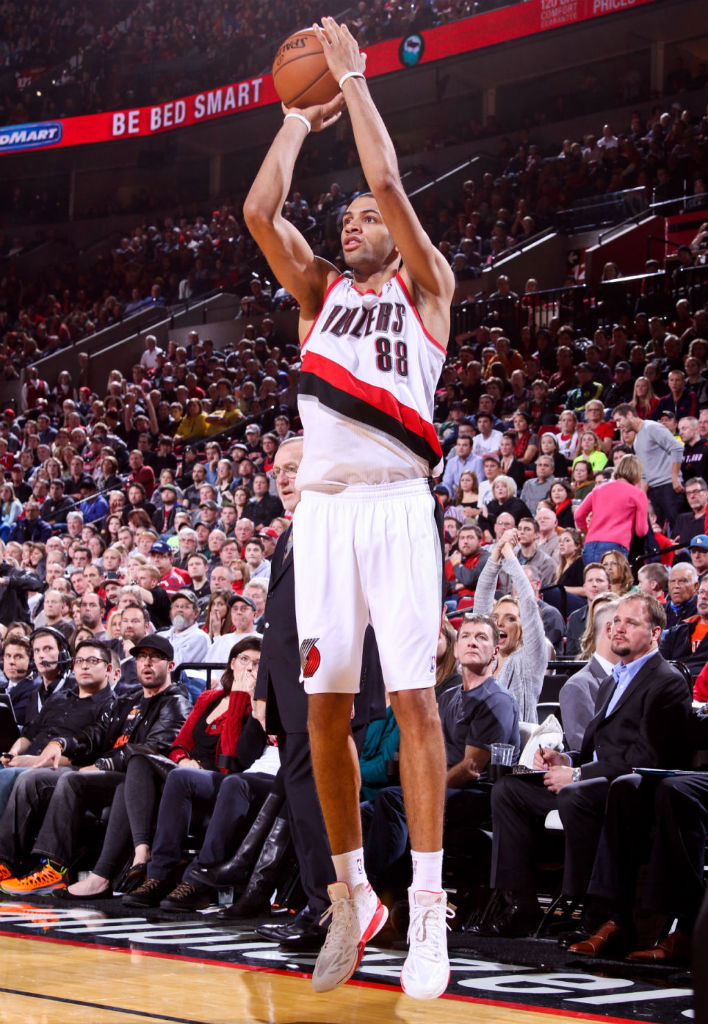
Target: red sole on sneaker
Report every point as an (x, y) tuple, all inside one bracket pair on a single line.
[(378, 920)]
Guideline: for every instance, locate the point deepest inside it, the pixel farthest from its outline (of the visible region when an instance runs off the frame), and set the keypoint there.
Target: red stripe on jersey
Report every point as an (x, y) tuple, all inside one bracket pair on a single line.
[(379, 398), (317, 314), (416, 314)]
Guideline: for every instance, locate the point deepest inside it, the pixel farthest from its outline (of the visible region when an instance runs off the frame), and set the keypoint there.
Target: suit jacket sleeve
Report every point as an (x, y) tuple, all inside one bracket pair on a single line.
[(647, 729), (577, 704)]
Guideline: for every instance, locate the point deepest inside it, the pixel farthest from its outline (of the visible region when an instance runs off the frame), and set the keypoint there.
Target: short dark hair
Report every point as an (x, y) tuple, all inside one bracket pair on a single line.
[(98, 645), (485, 620)]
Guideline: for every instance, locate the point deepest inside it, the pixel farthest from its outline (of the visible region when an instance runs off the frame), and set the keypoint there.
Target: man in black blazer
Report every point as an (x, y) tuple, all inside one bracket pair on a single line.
[(641, 720), (675, 810), (281, 707)]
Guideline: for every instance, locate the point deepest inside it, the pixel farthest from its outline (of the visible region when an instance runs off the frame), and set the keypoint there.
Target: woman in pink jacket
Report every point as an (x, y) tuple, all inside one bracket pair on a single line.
[(615, 512)]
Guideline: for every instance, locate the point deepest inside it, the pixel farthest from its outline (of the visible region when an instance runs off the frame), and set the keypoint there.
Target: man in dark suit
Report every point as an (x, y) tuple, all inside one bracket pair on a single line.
[(578, 694), (281, 707), (641, 719)]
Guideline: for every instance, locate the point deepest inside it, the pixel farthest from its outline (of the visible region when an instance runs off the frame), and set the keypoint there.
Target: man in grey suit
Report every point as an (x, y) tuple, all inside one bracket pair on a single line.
[(578, 695), (641, 719)]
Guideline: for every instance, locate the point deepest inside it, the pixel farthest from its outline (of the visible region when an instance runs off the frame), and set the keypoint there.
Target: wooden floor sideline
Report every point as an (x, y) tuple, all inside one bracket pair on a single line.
[(44, 980)]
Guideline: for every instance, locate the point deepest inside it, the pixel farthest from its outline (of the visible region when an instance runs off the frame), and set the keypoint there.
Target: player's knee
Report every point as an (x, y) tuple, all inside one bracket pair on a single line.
[(329, 715)]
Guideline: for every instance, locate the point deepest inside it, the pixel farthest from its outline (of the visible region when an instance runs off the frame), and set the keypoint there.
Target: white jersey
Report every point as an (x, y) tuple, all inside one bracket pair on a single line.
[(367, 387)]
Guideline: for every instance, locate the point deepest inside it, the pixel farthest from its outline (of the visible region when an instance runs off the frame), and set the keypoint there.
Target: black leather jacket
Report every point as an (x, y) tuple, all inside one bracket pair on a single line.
[(158, 721)]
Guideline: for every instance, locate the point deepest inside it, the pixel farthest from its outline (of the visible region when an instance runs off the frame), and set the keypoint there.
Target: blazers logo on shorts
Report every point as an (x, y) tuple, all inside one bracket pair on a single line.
[(309, 657)]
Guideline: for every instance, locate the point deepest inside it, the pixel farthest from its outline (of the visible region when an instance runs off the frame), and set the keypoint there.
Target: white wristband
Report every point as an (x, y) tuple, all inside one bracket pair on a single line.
[(300, 117), (350, 74)]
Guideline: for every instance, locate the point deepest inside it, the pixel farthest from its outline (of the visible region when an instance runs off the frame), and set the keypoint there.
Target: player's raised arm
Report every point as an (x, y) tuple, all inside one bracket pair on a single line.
[(289, 256), (424, 264)]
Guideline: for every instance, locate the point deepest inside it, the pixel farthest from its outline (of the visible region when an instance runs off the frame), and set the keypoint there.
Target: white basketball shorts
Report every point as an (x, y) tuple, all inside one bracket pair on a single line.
[(368, 554)]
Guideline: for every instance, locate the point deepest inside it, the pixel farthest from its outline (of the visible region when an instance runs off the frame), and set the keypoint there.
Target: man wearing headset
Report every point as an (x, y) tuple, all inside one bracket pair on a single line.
[(52, 659), (64, 712)]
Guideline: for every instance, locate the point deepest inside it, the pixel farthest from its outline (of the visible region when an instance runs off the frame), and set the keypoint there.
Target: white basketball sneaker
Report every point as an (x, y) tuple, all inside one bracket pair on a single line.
[(426, 972), (355, 918)]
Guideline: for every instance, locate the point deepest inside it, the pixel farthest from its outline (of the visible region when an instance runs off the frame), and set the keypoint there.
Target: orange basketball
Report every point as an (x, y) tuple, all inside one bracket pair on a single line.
[(300, 73)]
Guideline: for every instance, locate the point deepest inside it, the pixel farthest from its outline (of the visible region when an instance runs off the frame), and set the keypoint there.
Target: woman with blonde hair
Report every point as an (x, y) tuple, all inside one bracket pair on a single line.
[(523, 651), (504, 499), (643, 398), (589, 449), (589, 639), (617, 567), (617, 512)]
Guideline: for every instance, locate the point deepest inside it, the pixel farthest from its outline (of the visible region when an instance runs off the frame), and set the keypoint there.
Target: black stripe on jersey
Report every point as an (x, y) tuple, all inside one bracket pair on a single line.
[(356, 409)]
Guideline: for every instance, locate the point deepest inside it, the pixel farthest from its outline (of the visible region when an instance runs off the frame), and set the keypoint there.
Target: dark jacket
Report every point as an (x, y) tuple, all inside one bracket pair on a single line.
[(20, 694), (57, 511), (15, 585), (24, 530), (156, 725), (65, 715), (278, 681), (676, 645), (677, 613), (648, 728)]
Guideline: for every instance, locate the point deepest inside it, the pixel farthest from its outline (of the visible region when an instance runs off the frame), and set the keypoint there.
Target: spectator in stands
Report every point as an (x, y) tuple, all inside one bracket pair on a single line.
[(661, 456), (209, 736), (689, 524), (617, 512), (683, 588), (547, 531), (149, 719), (679, 402), (687, 640), (529, 554), (698, 550), (460, 460), (596, 580), (537, 488), (649, 724), (243, 615), (654, 579), (644, 400), (188, 641), (19, 680), (695, 450), (504, 499), (228, 797), (589, 449), (582, 478), (217, 619), (578, 694), (523, 656), (65, 714), (553, 621), (464, 565), (474, 715)]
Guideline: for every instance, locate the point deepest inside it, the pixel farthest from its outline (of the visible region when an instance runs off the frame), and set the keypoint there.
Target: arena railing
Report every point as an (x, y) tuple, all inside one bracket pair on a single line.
[(653, 294), (534, 309), (597, 211)]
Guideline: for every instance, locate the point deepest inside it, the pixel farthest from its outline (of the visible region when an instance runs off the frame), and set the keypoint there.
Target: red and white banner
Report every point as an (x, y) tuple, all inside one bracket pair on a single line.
[(470, 34)]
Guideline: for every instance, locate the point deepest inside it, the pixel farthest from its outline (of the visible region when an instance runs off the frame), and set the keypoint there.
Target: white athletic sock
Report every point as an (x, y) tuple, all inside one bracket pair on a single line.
[(349, 868), (427, 871)]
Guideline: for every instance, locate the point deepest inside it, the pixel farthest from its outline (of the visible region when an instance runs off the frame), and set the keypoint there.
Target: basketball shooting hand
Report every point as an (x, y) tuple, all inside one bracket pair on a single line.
[(340, 48), (322, 116)]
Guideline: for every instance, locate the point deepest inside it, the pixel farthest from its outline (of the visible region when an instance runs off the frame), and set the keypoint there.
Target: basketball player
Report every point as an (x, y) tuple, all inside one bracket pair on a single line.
[(366, 544)]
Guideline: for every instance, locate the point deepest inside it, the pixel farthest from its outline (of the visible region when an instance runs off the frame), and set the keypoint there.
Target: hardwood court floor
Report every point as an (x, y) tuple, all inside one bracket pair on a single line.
[(91, 965), (51, 981)]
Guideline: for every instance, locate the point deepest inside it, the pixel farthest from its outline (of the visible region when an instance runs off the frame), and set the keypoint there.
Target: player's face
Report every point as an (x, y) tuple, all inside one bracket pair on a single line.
[(366, 241)]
